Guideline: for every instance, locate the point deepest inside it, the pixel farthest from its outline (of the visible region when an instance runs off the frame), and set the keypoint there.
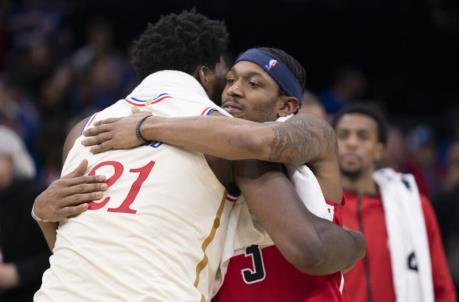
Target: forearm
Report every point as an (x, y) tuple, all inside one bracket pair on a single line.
[(49, 232), (228, 138), (324, 247), (276, 206), (312, 244), (296, 141), (282, 215)]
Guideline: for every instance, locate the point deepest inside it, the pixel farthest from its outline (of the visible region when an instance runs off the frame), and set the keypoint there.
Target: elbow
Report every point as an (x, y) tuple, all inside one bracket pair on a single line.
[(309, 260), (312, 263)]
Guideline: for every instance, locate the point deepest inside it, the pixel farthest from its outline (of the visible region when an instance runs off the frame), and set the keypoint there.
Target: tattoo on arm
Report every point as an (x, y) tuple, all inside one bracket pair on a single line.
[(301, 139)]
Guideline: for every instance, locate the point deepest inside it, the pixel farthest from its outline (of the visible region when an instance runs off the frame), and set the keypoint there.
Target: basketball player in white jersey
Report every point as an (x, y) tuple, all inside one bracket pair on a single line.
[(192, 276)]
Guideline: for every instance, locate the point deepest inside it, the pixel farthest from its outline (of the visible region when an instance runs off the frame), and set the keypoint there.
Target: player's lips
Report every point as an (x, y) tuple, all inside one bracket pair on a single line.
[(232, 107), (350, 157)]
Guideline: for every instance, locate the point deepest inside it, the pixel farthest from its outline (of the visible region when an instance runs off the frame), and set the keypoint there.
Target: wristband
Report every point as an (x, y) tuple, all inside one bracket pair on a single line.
[(37, 218), (138, 133)]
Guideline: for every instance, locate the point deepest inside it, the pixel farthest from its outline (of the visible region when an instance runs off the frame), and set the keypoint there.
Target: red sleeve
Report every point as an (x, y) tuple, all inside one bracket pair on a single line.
[(443, 285), (337, 210)]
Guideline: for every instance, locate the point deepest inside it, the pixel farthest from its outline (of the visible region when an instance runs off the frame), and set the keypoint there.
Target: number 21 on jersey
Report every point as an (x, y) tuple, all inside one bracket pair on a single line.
[(125, 206)]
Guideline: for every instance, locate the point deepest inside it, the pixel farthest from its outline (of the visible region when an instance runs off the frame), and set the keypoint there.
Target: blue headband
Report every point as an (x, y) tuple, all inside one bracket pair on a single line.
[(276, 69)]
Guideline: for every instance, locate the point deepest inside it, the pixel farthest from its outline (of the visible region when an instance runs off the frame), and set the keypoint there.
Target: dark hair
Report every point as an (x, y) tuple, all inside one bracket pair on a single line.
[(295, 67), (179, 42), (368, 111)]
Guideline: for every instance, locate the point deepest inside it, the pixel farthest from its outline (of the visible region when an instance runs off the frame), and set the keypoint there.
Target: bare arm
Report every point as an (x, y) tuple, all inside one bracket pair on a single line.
[(67, 196), (314, 245), (299, 140)]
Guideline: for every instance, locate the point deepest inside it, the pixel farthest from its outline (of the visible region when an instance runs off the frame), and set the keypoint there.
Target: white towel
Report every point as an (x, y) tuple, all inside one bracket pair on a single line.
[(408, 243), (308, 189)]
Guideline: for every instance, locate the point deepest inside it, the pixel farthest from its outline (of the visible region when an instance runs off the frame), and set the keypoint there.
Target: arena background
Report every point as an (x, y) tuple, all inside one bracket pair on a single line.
[(408, 49)]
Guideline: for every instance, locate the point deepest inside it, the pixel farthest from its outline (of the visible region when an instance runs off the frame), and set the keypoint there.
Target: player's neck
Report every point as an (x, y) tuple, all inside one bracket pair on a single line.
[(363, 184)]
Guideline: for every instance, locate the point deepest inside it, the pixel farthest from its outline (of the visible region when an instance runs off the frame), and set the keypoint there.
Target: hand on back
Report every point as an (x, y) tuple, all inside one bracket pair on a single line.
[(114, 133), (69, 195)]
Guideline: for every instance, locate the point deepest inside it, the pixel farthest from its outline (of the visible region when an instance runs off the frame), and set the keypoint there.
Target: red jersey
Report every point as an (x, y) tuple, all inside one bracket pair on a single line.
[(371, 278), (263, 274)]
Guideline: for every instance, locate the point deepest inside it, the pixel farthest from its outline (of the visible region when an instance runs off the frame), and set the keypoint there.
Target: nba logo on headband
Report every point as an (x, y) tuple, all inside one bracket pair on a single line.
[(271, 64)]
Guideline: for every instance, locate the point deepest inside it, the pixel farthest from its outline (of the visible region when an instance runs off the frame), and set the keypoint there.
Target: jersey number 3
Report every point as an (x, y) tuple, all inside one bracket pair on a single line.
[(125, 206), (257, 273)]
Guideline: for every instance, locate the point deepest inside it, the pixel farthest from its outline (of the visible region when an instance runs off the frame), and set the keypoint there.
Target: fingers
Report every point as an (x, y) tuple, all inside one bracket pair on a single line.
[(105, 146), (90, 141), (78, 170), (86, 188), (106, 121), (98, 128), (68, 212), (84, 180), (76, 199), (97, 139)]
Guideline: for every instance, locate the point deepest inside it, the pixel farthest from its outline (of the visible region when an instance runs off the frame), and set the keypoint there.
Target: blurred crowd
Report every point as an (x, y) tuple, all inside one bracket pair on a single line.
[(48, 82)]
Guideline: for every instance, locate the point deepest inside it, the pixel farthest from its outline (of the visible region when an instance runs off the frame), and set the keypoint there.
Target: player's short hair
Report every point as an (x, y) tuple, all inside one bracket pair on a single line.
[(295, 67), (179, 42), (368, 111)]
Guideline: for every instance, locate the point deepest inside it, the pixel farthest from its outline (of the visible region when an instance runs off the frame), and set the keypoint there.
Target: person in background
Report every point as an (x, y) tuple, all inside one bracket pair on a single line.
[(405, 260), (24, 250)]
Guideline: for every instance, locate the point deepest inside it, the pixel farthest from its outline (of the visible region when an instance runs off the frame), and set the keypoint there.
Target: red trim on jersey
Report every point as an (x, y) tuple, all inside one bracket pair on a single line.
[(207, 111), (231, 198), (135, 104), (159, 100), (149, 103)]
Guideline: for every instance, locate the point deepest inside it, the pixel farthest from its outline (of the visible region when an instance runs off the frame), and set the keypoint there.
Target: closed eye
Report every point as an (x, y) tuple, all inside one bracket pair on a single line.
[(254, 84)]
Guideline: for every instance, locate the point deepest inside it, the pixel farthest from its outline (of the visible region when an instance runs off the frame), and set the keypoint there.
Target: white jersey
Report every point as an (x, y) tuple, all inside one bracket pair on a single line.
[(158, 232)]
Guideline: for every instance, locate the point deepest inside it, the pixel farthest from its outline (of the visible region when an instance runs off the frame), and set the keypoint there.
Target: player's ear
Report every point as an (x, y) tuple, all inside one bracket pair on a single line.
[(203, 74), (288, 105), (206, 77)]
